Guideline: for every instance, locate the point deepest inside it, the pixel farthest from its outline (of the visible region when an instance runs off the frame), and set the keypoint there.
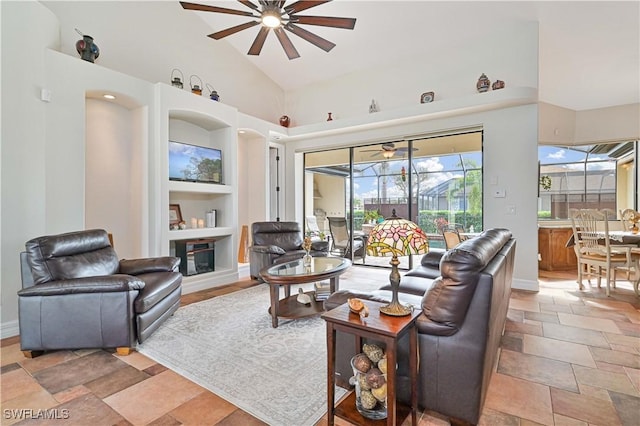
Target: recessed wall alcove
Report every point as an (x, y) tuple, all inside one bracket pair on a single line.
[(116, 145)]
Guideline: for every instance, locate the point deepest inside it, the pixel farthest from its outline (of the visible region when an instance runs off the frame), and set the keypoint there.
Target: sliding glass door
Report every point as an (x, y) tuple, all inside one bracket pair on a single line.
[(429, 180)]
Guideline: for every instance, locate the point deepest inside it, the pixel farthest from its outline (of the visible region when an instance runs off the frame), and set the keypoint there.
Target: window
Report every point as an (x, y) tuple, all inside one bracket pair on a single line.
[(590, 176)]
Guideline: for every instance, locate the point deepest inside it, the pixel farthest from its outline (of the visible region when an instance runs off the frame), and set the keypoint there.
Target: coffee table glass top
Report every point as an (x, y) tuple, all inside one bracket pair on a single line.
[(319, 265)]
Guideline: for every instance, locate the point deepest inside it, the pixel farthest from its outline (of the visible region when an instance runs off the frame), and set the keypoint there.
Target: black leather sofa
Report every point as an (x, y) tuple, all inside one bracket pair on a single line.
[(77, 294), (278, 242), (459, 332)]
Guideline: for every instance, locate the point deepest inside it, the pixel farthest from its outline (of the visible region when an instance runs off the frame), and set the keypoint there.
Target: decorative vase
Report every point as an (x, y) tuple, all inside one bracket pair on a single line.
[(634, 228), (367, 404), (87, 49), (483, 84), (329, 118), (307, 259), (176, 81), (498, 84), (196, 88), (284, 121), (213, 95)]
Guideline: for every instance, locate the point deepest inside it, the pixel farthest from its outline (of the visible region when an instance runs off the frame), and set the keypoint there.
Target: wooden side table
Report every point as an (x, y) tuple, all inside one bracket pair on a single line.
[(382, 328)]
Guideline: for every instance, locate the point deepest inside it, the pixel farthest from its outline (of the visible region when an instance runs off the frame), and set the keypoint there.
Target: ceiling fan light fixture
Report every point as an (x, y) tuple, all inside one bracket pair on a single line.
[(271, 19), (388, 154)]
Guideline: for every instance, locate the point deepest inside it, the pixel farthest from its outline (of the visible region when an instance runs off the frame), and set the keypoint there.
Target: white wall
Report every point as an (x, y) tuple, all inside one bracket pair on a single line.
[(170, 43), (114, 166), (618, 123), (510, 54), (24, 148)]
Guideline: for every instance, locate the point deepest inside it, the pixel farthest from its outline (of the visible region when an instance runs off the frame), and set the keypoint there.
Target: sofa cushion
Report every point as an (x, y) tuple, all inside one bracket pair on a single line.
[(445, 303), (412, 284)]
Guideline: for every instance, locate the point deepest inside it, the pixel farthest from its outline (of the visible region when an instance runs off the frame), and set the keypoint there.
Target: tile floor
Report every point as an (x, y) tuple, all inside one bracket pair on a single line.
[(567, 358)]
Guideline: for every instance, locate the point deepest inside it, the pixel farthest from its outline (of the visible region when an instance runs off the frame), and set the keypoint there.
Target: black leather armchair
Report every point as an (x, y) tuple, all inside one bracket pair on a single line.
[(77, 294), (278, 242)]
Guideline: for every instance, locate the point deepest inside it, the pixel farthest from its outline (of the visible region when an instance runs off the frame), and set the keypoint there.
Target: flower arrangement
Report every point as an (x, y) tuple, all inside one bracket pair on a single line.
[(306, 244)]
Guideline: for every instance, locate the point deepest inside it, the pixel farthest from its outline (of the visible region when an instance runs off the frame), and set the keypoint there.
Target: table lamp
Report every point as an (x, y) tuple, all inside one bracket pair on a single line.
[(396, 237)]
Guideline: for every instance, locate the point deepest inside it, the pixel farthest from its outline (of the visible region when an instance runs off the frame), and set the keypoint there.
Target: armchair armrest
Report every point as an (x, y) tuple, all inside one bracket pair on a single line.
[(147, 265), (270, 249), (102, 284)]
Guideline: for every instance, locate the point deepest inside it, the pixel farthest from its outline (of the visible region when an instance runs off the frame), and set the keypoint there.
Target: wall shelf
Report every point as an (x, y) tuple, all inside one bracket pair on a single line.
[(201, 188), (195, 120), (188, 234)]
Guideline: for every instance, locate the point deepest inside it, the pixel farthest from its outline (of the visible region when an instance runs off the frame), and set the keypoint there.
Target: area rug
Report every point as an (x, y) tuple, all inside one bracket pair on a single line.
[(227, 345)]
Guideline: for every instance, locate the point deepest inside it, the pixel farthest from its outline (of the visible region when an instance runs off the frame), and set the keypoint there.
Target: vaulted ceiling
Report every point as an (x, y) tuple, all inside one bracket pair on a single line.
[(589, 50)]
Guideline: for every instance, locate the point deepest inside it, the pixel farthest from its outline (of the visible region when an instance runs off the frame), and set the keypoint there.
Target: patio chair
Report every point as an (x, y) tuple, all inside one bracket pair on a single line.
[(451, 236), (595, 253), (313, 231), (341, 239)]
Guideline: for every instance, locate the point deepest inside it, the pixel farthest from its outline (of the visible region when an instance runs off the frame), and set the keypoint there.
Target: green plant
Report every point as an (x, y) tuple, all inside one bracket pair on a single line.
[(545, 182)]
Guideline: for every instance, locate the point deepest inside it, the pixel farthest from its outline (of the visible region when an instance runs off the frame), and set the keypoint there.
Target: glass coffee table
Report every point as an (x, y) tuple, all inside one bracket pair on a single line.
[(290, 273)]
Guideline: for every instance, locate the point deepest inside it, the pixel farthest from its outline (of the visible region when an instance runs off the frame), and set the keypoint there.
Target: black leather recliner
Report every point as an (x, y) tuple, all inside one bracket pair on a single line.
[(77, 294), (278, 242)]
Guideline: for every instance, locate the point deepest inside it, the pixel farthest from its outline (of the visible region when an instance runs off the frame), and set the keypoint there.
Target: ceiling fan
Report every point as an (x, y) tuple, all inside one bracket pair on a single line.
[(274, 15), (388, 150)]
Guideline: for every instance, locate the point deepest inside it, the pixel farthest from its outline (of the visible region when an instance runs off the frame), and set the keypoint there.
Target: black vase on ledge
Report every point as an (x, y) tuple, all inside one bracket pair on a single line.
[(87, 49)]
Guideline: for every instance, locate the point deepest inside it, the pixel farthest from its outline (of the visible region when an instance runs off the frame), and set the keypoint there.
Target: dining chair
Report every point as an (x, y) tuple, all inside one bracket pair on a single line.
[(341, 239), (595, 254)]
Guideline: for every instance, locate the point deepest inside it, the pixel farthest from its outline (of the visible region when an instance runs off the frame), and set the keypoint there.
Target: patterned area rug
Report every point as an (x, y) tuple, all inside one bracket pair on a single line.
[(227, 345)]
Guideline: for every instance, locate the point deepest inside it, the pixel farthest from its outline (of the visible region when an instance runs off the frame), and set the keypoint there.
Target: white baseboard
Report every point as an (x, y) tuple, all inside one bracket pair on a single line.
[(193, 283), (528, 285), (9, 329), (243, 270)]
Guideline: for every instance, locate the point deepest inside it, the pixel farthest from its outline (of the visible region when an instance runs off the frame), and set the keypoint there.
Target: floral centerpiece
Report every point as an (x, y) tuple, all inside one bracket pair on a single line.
[(306, 245)]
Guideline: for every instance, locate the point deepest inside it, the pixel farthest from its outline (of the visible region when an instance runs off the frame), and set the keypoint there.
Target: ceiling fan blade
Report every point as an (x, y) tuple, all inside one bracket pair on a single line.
[(281, 3), (325, 21), (250, 5), (312, 38), (302, 5), (285, 41), (220, 34), (256, 47), (205, 8)]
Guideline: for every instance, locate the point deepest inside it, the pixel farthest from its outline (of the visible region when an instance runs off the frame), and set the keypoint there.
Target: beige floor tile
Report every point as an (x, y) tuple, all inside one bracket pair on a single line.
[(558, 350), (619, 339), (137, 360), (561, 420), (524, 305), (618, 382), (594, 392), (10, 354), (634, 376), (17, 383), (609, 304), (575, 335), (49, 359), (537, 369), (520, 398), (589, 323), (585, 408), (71, 393), (616, 357), (205, 408), (169, 389), (523, 328), (19, 407)]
